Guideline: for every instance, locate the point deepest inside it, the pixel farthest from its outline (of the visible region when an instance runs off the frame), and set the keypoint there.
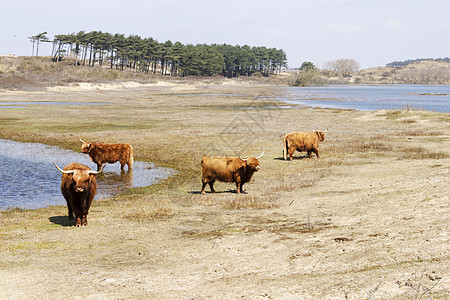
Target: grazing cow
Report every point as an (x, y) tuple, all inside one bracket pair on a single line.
[(101, 153), (302, 141), (78, 186), (228, 169)]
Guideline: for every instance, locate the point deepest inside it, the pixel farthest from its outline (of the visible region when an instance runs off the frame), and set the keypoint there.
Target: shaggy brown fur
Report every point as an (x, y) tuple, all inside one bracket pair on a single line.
[(302, 141), (79, 189), (109, 153), (228, 169)]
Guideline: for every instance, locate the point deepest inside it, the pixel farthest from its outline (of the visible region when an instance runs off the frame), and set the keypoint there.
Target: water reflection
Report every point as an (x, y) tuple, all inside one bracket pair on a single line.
[(29, 180)]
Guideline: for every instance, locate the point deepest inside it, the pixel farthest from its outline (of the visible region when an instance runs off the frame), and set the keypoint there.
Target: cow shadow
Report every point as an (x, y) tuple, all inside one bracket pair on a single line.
[(293, 157), (230, 191), (62, 220)]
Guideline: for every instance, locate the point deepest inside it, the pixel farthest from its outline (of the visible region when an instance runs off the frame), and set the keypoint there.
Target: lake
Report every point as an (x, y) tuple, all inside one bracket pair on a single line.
[(29, 180), (370, 97)]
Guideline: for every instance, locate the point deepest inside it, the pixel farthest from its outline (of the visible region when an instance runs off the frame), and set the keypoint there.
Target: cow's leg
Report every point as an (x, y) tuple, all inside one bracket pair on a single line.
[(204, 183), (211, 183), (99, 167), (238, 187), (84, 220), (70, 211), (242, 188), (317, 153), (291, 152), (78, 222), (123, 162), (309, 154)]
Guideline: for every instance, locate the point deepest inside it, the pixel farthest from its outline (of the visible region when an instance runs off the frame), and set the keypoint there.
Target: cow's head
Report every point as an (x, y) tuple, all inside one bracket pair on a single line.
[(253, 162), (320, 135), (85, 147), (81, 179)]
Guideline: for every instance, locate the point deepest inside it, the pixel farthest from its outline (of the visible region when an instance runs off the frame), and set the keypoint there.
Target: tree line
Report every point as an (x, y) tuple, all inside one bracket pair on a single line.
[(176, 59)]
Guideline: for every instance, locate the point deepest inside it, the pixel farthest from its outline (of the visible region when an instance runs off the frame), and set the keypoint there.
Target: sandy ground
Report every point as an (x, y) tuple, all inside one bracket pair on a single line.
[(368, 220)]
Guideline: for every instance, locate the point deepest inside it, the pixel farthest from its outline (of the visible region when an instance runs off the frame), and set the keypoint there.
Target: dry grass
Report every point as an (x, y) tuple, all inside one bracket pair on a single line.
[(249, 202), (420, 153), (360, 144), (148, 208), (306, 225), (422, 133)]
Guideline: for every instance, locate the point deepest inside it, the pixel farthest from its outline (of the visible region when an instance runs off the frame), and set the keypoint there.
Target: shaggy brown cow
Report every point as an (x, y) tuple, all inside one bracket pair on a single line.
[(78, 186), (109, 153), (228, 169), (302, 141)]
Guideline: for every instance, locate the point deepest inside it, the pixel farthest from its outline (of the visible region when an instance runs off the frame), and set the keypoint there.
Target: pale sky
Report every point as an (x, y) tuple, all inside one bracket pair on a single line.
[(372, 32)]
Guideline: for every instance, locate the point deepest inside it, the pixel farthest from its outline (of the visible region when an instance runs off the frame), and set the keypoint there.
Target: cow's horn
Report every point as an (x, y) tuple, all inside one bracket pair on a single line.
[(96, 172), (260, 155), (62, 171), (244, 159), (82, 141)]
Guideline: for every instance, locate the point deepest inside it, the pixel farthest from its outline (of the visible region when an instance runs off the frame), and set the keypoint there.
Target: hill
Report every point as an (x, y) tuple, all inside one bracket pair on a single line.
[(37, 73), (421, 72)]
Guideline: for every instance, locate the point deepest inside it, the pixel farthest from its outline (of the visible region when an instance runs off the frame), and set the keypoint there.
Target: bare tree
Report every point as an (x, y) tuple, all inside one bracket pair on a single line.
[(342, 67), (40, 38), (33, 40), (37, 39)]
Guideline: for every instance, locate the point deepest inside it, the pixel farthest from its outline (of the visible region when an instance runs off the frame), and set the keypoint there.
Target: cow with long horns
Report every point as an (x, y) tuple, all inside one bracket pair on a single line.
[(78, 186), (102, 153), (302, 141), (228, 169)]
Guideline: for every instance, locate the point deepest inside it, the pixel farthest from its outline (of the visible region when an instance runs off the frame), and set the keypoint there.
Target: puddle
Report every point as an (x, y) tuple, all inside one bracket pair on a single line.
[(29, 180)]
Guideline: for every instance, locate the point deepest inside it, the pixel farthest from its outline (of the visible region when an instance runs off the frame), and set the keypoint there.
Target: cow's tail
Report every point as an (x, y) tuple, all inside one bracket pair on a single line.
[(285, 148), (131, 159)]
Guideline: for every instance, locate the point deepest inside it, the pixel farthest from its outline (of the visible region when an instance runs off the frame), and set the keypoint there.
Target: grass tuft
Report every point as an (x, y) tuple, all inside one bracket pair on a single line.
[(148, 208), (420, 153), (249, 202)]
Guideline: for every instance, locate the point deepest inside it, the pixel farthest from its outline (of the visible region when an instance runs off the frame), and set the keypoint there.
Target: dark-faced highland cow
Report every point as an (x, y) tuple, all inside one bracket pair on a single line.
[(102, 153), (228, 169), (78, 186), (302, 141)]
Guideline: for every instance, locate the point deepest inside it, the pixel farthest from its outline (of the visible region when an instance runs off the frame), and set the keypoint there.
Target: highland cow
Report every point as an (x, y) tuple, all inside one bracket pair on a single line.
[(101, 153), (78, 186), (228, 169), (302, 141)]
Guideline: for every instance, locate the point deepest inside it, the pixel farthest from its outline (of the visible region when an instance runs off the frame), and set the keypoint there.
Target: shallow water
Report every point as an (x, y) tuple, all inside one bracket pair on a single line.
[(29, 180), (370, 97)]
